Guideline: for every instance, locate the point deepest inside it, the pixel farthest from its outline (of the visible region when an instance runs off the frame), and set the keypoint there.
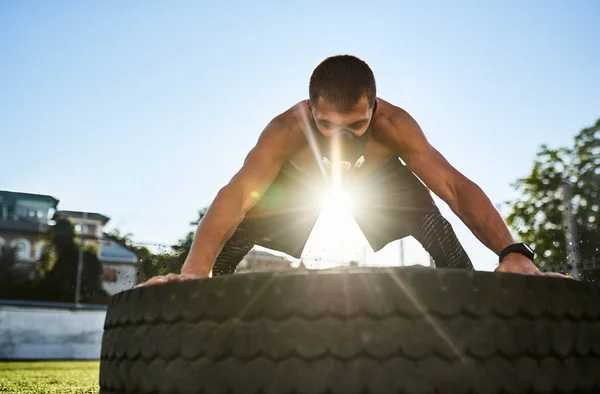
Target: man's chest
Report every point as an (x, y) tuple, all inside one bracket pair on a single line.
[(310, 160)]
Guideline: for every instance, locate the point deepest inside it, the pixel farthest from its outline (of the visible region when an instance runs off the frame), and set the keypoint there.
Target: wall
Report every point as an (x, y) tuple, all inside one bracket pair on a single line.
[(126, 277), (50, 331), (98, 226), (32, 249)]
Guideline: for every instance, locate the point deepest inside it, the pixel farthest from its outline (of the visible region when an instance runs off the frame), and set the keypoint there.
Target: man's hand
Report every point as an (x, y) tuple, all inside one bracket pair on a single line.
[(157, 280), (519, 264)]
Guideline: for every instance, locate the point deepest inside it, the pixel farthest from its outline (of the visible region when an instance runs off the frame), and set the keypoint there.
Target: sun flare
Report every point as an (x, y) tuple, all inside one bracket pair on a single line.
[(337, 203), (336, 238)]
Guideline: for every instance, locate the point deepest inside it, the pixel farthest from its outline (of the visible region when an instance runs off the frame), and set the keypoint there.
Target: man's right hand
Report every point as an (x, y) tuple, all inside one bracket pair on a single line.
[(157, 280), (275, 145)]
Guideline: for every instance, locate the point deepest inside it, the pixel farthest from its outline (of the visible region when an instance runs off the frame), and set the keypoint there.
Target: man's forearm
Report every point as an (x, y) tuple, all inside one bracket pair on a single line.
[(476, 210), (215, 228)]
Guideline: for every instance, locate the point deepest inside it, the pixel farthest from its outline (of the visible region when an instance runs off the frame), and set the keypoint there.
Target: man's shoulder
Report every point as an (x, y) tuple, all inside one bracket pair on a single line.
[(285, 129), (395, 126), (387, 111), (291, 118)]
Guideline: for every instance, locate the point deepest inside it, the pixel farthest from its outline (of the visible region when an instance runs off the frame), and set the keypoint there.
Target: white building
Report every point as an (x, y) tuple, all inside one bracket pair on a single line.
[(118, 262), (26, 217)]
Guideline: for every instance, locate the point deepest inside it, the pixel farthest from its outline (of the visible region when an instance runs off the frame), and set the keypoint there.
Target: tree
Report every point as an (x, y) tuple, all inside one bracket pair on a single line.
[(8, 259), (47, 260), (92, 291), (14, 286), (60, 283), (537, 217), (124, 239), (149, 264)]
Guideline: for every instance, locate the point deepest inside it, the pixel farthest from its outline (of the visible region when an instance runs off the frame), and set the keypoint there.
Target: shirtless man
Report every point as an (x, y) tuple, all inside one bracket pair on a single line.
[(345, 129)]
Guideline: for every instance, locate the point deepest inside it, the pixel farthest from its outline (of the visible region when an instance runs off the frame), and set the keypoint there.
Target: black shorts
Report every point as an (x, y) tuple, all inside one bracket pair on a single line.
[(386, 205)]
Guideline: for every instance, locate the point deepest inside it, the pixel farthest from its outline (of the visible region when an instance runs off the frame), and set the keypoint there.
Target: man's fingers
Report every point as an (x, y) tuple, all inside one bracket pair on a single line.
[(149, 282), (153, 281), (557, 275), (165, 278)]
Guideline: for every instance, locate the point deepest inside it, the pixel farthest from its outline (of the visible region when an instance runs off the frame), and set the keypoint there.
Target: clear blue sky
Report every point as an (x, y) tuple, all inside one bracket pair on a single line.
[(143, 110)]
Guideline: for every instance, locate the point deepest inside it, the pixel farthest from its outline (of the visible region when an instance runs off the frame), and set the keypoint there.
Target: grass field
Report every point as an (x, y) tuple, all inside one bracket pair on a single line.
[(41, 377)]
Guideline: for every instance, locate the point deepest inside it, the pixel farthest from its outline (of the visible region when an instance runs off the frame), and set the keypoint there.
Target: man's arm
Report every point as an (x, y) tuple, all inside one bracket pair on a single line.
[(234, 200), (466, 199)]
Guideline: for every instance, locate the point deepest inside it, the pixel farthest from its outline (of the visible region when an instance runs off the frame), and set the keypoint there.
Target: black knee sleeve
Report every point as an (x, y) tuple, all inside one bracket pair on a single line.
[(436, 235), (232, 253)]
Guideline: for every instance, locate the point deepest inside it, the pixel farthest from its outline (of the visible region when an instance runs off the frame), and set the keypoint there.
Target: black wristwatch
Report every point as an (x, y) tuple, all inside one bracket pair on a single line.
[(521, 248)]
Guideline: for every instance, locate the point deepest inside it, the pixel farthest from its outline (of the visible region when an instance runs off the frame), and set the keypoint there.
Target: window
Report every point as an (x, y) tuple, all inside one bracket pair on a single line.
[(23, 248), (110, 275), (10, 211)]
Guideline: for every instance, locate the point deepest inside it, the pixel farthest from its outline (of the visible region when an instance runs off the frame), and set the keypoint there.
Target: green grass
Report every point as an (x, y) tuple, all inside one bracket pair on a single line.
[(41, 377)]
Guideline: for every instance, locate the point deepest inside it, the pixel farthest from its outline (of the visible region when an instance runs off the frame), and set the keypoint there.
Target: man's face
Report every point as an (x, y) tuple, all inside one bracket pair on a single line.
[(329, 121)]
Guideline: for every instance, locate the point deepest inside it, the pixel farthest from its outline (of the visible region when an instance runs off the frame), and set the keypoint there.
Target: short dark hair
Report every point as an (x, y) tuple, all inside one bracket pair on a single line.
[(342, 80)]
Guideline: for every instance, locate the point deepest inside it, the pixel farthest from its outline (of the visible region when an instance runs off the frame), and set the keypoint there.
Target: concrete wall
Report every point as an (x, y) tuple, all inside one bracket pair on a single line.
[(126, 276), (44, 332)]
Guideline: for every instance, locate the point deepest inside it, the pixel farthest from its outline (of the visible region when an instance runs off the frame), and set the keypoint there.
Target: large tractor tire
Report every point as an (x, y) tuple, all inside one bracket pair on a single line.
[(355, 331)]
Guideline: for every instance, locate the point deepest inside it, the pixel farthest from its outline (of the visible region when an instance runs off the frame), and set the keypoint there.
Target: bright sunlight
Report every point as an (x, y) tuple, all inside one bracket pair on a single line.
[(336, 238)]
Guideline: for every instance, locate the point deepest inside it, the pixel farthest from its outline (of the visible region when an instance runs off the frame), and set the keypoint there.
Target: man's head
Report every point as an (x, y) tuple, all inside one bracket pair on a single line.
[(342, 94)]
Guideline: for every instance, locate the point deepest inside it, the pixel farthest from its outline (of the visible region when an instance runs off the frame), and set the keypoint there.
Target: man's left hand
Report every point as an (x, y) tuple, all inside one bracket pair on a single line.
[(518, 264)]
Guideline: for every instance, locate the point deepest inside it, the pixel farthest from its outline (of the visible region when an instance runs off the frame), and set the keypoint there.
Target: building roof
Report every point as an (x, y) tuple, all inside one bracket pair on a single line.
[(112, 251), (6, 195), (79, 214)]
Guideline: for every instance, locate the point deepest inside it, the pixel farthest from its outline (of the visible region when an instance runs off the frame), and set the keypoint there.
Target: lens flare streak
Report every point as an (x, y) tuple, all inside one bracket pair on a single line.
[(428, 318), (312, 143)]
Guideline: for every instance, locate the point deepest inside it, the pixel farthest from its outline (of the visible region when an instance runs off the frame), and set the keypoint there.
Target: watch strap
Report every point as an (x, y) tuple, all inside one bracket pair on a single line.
[(520, 248)]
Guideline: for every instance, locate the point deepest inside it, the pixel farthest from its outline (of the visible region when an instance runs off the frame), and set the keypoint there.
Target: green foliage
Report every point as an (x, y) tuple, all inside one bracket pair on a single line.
[(537, 217), (170, 261), (57, 269), (91, 249), (59, 283), (91, 280), (13, 286), (63, 233), (47, 260), (8, 259), (124, 239), (159, 264)]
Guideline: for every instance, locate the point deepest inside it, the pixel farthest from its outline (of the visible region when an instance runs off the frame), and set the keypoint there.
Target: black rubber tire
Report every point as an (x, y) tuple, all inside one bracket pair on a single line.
[(359, 330)]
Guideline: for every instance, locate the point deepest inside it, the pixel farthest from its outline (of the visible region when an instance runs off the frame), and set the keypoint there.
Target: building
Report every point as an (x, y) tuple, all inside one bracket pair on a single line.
[(261, 260), (118, 262), (25, 218)]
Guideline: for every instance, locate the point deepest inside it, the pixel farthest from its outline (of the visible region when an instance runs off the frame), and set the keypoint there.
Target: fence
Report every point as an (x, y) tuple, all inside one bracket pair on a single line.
[(47, 330)]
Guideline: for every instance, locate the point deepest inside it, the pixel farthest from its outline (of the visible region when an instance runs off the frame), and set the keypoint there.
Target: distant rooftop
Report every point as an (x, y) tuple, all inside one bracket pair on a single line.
[(114, 252), (79, 214), (6, 195)]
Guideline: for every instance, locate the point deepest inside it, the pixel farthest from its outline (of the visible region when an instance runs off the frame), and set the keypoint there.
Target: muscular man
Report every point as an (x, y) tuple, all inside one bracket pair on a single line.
[(345, 134)]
